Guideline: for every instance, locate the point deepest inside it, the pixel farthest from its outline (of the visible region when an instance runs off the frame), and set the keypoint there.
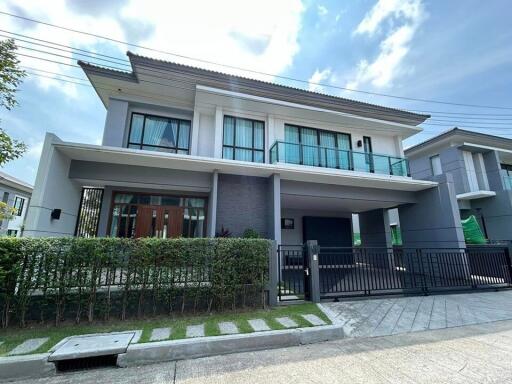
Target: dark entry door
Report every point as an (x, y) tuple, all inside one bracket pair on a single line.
[(328, 231), (159, 221)]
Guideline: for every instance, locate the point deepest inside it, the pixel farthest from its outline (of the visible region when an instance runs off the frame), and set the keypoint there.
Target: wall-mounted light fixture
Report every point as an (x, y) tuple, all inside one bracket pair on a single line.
[(359, 143), (55, 215)]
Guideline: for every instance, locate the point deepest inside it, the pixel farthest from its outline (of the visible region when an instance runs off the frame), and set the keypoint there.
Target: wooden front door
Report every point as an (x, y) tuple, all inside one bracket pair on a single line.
[(159, 221)]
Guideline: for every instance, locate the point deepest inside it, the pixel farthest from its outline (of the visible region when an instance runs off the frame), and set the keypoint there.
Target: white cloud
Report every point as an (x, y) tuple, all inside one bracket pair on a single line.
[(322, 10), (394, 47), (319, 77), (234, 33)]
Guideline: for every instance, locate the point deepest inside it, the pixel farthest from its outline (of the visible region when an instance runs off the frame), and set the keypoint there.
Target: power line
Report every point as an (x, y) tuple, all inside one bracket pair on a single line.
[(116, 68), (159, 96), (249, 70), (59, 45), (192, 88)]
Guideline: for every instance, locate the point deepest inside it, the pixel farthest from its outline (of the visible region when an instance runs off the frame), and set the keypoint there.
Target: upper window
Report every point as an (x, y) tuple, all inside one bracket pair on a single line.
[(435, 164), (162, 134), (19, 202), (302, 147), (244, 139), (506, 169)]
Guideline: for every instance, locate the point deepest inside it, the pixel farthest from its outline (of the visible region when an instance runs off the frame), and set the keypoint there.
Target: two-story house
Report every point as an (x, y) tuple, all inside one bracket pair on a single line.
[(193, 152), (481, 167), (16, 194)]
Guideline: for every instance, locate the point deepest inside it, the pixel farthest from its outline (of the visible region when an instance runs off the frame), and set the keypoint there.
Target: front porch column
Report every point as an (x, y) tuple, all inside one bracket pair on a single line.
[(275, 208), (53, 190), (434, 220), (374, 229), (212, 206)]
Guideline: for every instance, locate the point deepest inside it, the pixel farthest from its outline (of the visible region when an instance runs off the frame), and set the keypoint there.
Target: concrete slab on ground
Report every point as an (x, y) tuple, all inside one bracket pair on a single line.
[(195, 330), (314, 319), (89, 346), (286, 322), (228, 328), (28, 346), (158, 334), (259, 325)]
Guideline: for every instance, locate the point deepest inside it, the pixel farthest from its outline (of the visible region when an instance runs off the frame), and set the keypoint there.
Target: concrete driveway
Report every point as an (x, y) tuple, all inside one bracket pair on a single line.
[(396, 315)]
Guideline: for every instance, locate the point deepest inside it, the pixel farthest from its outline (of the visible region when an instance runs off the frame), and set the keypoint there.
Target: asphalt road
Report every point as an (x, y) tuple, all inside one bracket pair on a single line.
[(469, 354)]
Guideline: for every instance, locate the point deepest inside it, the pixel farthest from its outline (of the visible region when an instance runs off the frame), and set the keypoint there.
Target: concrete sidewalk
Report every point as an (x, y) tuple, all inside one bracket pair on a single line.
[(468, 354)]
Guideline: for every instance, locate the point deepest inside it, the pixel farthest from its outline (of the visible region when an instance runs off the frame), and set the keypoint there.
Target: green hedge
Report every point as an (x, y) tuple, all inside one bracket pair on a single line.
[(61, 279)]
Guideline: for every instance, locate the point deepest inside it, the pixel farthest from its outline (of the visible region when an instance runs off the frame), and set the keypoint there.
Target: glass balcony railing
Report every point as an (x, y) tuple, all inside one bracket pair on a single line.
[(317, 156), (507, 182)]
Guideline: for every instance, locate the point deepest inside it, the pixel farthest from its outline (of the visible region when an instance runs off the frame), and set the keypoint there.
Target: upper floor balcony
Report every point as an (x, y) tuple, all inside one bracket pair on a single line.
[(328, 157)]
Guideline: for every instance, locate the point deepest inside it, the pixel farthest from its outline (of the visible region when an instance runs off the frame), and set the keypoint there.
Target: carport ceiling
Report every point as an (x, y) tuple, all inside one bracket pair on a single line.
[(332, 204)]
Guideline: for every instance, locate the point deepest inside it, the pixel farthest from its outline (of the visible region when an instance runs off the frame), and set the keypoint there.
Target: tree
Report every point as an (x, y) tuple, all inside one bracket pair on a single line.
[(6, 212), (10, 78)]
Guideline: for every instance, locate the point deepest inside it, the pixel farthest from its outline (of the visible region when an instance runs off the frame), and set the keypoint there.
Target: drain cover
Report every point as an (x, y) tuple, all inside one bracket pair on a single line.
[(78, 347)]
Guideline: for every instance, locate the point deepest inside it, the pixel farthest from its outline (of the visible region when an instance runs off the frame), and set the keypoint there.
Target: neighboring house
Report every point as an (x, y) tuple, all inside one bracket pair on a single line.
[(190, 152), (481, 167), (16, 194)]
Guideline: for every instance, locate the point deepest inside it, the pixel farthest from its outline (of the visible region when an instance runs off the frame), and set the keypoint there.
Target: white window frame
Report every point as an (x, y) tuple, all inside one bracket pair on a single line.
[(435, 171)]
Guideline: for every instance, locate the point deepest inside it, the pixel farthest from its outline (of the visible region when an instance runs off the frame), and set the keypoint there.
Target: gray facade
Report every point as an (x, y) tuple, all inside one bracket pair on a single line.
[(480, 189), (244, 203)]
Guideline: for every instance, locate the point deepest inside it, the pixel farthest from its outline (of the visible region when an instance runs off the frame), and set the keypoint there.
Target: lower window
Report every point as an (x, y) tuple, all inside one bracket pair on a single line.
[(163, 216), (12, 232)]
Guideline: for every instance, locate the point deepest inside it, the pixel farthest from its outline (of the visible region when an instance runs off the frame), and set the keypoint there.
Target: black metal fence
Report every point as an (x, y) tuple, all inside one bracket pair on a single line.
[(353, 271)]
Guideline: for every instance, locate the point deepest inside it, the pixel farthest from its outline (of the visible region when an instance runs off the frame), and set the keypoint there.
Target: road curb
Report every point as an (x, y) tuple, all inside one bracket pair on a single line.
[(148, 353), (37, 365), (26, 367)]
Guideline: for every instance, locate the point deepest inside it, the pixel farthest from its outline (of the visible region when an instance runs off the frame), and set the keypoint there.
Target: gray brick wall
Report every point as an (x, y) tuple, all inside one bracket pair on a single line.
[(243, 202)]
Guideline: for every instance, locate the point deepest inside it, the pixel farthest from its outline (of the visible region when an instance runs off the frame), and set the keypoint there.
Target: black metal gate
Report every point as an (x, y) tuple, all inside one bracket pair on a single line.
[(377, 271), (293, 273), (365, 271)]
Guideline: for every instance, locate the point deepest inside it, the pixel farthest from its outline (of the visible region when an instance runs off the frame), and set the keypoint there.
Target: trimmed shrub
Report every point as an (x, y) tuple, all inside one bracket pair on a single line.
[(88, 279), (250, 233)]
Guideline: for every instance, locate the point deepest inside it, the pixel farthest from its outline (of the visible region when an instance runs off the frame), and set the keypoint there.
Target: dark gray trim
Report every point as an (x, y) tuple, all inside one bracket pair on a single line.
[(458, 131)]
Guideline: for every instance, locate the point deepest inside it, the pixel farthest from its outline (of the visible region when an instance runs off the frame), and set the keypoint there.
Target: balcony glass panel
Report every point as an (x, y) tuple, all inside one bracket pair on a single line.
[(328, 157), (507, 182)]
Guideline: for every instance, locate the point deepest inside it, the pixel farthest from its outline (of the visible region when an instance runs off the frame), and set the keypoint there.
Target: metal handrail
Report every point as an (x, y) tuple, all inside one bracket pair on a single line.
[(331, 157)]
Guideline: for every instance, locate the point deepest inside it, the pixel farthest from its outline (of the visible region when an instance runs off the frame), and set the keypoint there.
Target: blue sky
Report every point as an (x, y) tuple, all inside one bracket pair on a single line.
[(458, 51)]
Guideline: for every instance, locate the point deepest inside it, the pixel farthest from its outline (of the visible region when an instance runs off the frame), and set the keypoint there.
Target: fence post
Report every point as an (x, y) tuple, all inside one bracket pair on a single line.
[(508, 255), (273, 273), (312, 249)]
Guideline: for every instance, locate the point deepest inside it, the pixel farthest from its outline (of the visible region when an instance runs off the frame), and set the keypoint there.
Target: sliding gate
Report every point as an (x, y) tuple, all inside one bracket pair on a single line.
[(365, 271)]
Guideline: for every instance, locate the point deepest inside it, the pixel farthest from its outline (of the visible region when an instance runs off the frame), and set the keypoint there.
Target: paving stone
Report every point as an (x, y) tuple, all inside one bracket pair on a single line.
[(136, 336), (286, 322), (160, 334), (228, 328), (28, 346), (314, 319), (259, 325), (195, 330)]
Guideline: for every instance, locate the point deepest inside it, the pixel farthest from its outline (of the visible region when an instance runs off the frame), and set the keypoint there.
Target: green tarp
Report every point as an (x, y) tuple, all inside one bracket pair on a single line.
[(472, 232)]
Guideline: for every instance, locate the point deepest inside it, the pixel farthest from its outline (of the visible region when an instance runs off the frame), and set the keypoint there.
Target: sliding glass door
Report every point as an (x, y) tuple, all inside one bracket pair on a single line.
[(315, 147)]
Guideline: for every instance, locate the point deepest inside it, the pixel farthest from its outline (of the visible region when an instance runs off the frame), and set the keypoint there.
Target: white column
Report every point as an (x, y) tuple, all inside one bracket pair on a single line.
[(217, 152), (195, 133), (275, 209), (269, 136)]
